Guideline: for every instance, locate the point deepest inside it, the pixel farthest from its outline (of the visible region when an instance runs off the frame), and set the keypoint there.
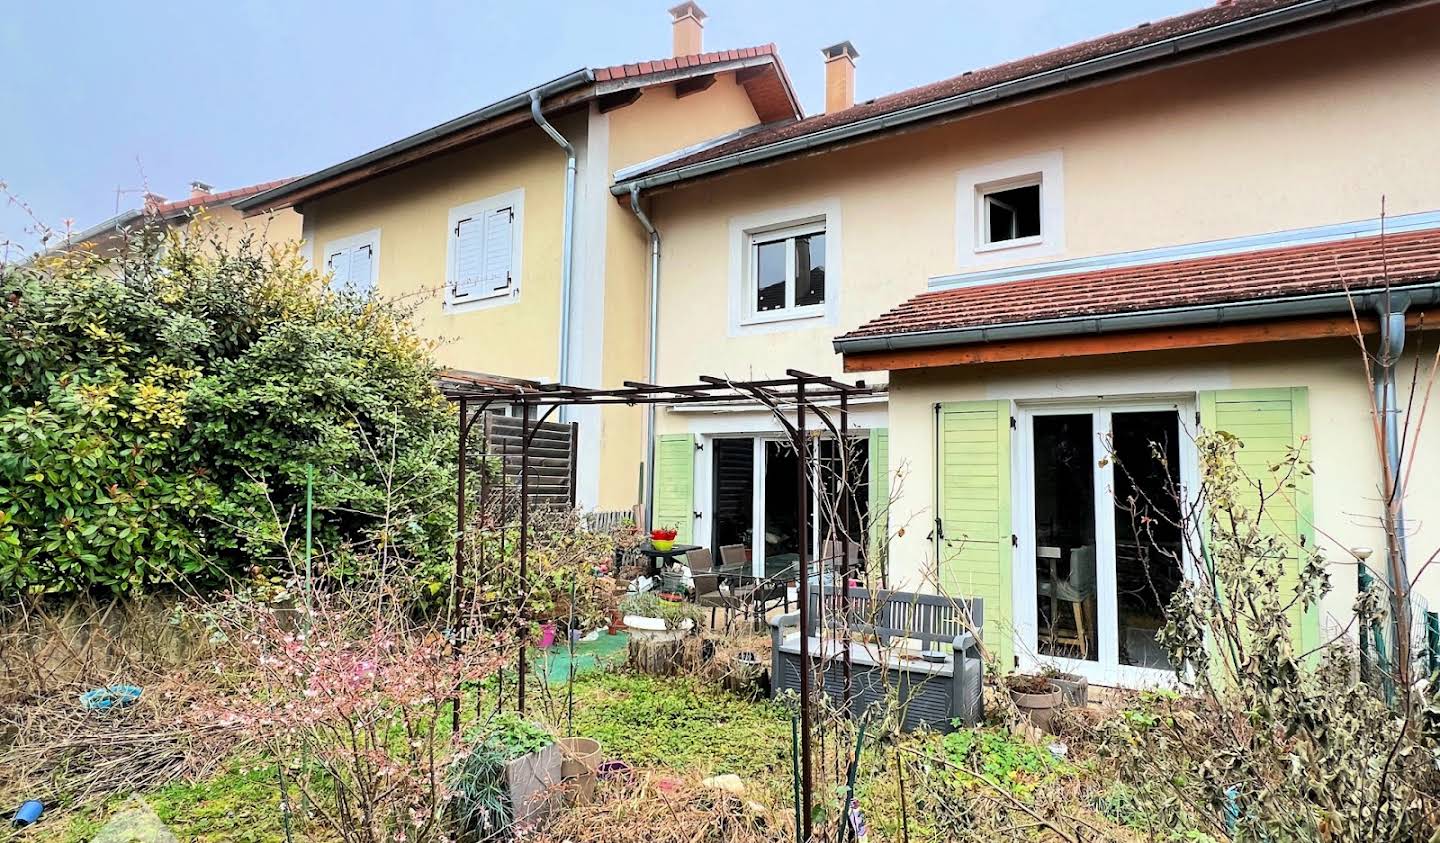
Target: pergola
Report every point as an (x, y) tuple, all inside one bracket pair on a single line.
[(799, 393)]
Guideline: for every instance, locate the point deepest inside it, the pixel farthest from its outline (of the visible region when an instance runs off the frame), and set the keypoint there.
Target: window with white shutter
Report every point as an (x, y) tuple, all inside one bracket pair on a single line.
[(484, 264), (352, 262)]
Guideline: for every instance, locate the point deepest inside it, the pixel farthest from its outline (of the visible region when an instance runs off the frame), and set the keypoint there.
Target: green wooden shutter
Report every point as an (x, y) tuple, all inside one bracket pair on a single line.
[(1269, 422), (675, 484), (878, 482), (973, 485)]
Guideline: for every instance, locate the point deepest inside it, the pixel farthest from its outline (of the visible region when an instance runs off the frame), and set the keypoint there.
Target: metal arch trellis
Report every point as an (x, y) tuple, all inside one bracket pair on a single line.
[(798, 393)]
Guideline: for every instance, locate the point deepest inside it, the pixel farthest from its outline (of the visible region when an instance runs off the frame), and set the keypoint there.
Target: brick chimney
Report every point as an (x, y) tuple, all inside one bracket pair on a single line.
[(687, 22), (153, 201), (199, 188), (839, 76)]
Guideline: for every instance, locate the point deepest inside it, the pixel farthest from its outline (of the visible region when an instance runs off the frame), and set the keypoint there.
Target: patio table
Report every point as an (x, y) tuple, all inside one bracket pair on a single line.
[(660, 558)]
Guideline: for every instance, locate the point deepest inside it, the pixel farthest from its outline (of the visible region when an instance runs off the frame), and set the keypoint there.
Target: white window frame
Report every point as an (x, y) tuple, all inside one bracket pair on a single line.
[(972, 235), (787, 235), (1106, 669), (515, 200), (369, 238), (983, 194), (747, 232)]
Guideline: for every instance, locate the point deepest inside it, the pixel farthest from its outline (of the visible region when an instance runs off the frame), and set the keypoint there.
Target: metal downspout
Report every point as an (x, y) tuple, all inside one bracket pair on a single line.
[(654, 352), (567, 242), (1391, 310)]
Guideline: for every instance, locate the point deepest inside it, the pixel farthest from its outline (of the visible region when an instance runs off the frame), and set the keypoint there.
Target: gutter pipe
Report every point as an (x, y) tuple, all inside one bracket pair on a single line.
[(1391, 310), (1338, 302), (567, 246), (654, 351)]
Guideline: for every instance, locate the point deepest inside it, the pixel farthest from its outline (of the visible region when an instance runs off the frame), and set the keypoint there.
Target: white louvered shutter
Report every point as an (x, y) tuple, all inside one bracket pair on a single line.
[(469, 258), (497, 261), (362, 260), (338, 265)]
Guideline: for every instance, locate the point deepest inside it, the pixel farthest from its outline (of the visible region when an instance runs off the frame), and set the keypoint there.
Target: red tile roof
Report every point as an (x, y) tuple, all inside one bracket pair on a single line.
[(165, 209), (628, 71), (1357, 264), (1139, 36)]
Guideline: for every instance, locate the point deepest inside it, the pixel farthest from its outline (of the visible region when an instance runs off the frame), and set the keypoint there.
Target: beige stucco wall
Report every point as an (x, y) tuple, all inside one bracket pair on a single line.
[(276, 228), (1310, 132), (656, 123), (410, 207), (1343, 450)]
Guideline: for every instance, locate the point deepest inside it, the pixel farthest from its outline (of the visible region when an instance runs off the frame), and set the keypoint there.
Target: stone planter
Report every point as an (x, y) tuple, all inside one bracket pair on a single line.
[(655, 629), (1038, 708), (578, 769), (1074, 689)]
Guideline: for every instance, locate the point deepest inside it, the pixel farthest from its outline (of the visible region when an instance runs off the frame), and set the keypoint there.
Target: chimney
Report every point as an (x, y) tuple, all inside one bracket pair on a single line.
[(199, 188), (153, 201), (687, 23), (839, 76)]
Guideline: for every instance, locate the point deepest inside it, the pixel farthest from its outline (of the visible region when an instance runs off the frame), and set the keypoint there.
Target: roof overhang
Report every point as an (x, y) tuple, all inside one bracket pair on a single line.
[(559, 95), (1315, 316), (1276, 24)]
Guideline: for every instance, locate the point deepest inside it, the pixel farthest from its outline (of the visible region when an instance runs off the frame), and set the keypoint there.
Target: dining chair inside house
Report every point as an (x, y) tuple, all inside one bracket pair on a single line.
[(1077, 589)]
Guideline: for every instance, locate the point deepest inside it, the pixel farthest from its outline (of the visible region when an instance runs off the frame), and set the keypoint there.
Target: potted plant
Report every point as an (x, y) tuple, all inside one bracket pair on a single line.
[(1037, 697), (507, 773), (647, 613), (663, 538)]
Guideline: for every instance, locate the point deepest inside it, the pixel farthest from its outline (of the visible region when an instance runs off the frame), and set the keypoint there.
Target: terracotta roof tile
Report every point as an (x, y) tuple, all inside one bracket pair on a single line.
[(1148, 33), (167, 208), (1356, 264), (626, 71)]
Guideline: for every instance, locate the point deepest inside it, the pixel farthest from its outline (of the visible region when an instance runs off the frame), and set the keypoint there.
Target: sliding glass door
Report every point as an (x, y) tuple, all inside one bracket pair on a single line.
[(1099, 551), (755, 492)]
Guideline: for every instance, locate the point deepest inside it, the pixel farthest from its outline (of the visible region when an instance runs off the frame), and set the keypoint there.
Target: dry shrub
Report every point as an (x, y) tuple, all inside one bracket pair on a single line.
[(67, 755), (666, 809)]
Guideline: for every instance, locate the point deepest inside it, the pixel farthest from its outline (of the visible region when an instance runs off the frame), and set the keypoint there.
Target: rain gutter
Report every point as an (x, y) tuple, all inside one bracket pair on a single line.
[(521, 100), (654, 366), (567, 241), (1317, 304)]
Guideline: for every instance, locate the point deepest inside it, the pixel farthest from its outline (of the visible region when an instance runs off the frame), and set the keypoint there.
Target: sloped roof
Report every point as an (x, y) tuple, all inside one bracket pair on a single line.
[(1224, 21), (764, 80), (168, 210), (1356, 265)]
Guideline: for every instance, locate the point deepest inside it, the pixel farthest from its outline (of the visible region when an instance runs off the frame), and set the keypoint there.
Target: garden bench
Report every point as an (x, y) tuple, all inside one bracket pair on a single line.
[(888, 631)]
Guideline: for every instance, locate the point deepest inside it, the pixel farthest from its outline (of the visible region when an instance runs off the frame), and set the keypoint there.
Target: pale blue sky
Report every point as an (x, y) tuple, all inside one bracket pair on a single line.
[(103, 95)]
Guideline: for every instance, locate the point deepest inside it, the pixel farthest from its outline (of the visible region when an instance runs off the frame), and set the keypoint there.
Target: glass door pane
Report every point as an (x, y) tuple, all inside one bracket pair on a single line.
[(734, 495), (1064, 447), (1145, 447), (782, 526)]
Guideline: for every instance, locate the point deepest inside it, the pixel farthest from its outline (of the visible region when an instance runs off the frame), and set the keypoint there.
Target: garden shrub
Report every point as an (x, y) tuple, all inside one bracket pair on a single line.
[(158, 411)]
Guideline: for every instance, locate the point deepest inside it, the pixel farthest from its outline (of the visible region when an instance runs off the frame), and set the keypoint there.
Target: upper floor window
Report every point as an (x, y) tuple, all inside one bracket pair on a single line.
[(484, 251), (787, 272), (1010, 212), (353, 263)]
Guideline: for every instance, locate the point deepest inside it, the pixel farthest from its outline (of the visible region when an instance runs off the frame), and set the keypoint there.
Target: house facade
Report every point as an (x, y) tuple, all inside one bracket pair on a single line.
[(1060, 265), (499, 229)]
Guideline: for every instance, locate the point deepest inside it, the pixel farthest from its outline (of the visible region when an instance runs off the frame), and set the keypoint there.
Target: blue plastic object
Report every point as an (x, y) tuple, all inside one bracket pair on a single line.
[(29, 812), (114, 696)]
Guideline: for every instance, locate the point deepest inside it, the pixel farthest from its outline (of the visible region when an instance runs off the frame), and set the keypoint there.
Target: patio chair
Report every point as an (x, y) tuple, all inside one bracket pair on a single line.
[(1077, 589), (707, 587)]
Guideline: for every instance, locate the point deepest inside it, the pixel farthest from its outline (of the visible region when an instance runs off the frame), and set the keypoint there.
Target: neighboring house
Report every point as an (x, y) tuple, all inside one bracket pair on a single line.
[(219, 210), (1094, 248), (512, 250)]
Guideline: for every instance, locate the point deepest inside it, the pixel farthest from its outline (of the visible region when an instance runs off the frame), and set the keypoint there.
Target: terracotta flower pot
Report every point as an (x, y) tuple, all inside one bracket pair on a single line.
[(1038, 707)]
